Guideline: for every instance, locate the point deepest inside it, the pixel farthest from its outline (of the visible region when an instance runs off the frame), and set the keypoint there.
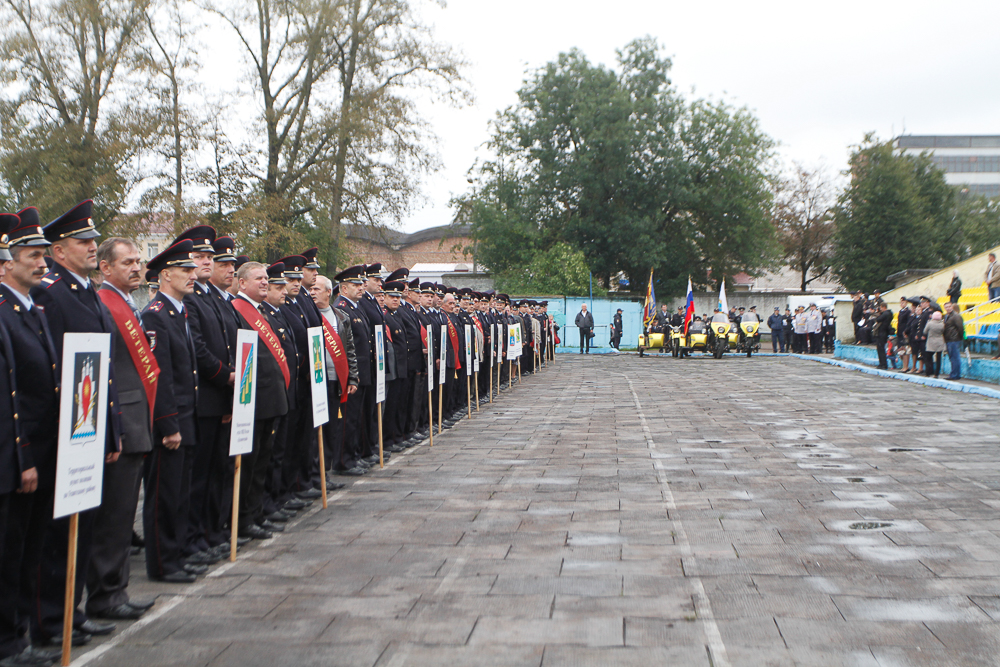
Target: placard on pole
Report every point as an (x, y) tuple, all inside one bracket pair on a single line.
[(379, 385), (83, 418), (442, 374), (430, 385), (244, 404), (468, 367), (320, 402)]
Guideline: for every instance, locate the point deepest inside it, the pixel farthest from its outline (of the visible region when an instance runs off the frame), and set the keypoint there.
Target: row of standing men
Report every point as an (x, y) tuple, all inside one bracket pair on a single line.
[(170, 398)]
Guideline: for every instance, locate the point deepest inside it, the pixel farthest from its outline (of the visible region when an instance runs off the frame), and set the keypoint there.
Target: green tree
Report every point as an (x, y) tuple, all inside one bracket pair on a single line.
[(617, 165), (803, 218), (561, 269), (897, 213)]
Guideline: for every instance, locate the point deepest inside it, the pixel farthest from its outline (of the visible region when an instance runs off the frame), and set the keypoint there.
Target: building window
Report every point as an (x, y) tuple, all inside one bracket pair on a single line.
[(154, 250), (975, 163)]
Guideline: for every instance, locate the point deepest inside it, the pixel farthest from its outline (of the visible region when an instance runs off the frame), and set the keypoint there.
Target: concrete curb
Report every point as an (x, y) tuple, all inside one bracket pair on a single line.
[(916, 379)]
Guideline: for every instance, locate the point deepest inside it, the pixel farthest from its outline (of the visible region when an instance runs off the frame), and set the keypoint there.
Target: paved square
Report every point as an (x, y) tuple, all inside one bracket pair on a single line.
[(626, 511)]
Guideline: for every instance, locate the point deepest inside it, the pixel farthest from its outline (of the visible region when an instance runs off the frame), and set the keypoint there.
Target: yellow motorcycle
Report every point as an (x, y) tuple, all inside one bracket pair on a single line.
[(719, 338), (696, 339), (749, 338), (655, 341)]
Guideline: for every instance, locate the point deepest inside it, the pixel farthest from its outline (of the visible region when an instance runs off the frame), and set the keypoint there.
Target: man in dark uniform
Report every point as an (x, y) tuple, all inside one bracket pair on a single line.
[(271, 401), (136, 373), (527, 338), (351, 282), (214, 340), (71, 305), (373, 311), (398, 391), (454, 359), (166, 504), (300, 313), (26, 339), (10, 469), (416, 362), (429, 323), (618, 327)]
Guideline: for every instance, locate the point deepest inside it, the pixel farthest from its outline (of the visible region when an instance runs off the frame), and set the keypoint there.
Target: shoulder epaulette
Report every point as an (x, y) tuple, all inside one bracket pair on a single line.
[(50, 279), (156, 306)]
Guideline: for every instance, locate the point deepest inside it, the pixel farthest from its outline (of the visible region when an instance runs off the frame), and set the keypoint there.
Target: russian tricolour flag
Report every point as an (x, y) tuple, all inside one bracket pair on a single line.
[(689, 312)]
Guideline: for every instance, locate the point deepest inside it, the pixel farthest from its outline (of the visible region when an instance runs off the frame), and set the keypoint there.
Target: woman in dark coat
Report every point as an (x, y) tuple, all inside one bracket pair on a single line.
[(955, 289)]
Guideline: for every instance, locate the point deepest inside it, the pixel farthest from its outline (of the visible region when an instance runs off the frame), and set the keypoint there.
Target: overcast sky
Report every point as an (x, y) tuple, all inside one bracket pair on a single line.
[(818, 75)]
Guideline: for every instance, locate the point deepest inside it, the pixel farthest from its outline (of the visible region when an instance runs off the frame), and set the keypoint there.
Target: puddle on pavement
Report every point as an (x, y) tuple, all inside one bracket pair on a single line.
[(870, 525), (827, 466), (825, 479), (896, 525), (903, 450)]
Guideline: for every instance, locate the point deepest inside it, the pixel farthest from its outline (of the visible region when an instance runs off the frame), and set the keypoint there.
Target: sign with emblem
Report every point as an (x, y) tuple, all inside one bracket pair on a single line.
[(430, 360), (468, 349), (317, 376), (511, 342), (379, 364), (444, 354), (518, 343), (244, 393), (83, 418), (498, 357)]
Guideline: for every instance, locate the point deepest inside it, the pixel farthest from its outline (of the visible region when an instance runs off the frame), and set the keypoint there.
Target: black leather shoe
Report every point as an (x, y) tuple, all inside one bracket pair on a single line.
[(78, 639), (277, 517), (255, 532), (195, 569), (363, 464), (177, 578), (122, 612), (32, 657), (309, 494), (142, 605), (241, 541), (395, 449), (370, 460), (273, 527), (295, 504), (356, 471), (203, 558), (333, 486), (97, 629)]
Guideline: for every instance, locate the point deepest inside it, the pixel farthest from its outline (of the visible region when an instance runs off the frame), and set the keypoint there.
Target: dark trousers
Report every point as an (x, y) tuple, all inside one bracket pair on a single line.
[(208, 481), (253, 473), (353, 436), (418, 412), (955, 358), (333, 430), (302, 468), (166, 508), (584, 340), (391, 423), (107, 578), (47, 617), (932, 363), (777, 341), (274, 488), (369, 423), (815, 342), (883, 362), (28, 518)]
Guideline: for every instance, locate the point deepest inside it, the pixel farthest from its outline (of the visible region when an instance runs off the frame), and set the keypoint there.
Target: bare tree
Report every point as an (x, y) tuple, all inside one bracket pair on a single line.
[(64, 138), (335, 81), (803, 219)]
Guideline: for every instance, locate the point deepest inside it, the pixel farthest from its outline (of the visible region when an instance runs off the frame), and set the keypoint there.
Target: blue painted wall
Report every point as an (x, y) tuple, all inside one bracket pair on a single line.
[(564, 309), (984, 370)]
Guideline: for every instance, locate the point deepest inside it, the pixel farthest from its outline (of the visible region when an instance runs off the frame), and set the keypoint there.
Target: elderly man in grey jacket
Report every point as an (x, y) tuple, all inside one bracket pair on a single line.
[(338, 321), (585, 323)]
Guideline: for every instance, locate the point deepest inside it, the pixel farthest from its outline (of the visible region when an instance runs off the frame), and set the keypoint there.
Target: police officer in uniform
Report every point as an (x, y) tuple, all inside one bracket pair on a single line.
[(36, 376), (399, 390), (166, 504), (351, 461)]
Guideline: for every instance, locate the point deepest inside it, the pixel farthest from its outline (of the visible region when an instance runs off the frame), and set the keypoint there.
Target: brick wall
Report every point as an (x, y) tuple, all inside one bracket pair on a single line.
[(446, 250)]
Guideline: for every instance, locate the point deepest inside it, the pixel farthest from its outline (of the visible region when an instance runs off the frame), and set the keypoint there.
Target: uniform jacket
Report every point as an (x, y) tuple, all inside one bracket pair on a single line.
[(415, 359), (177, 387), (362, 333), (214, 338), (347, 338), (132, 403), (271, 397), (290, 344), (10, 428), (37, 374), (394, 322)]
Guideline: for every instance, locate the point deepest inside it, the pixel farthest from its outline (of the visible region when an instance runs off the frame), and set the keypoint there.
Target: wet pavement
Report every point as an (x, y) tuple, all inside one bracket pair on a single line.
[(627, 511)]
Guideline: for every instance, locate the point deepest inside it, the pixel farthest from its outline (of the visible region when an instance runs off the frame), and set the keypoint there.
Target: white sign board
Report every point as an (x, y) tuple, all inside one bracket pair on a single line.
[(468, 349), (498, 357), (444, 353), (83, 420), (518, 343), (320, 402), (379, 364), (430, 360), (510, 343), (244, 392)]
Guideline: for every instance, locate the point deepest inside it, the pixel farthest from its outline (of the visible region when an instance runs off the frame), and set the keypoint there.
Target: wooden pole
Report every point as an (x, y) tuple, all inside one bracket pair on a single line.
[(322, 467), (381, 461), (430, 415), (475, 375), (468, 393), (510, 377), (491, 381), (234, 523), (69, 606)]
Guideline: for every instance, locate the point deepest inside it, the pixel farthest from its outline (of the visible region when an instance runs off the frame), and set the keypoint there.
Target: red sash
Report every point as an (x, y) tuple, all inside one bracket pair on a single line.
[(135, 340), (254, 319), (423, 335), (453, 336), (479, 325), (335, 348)]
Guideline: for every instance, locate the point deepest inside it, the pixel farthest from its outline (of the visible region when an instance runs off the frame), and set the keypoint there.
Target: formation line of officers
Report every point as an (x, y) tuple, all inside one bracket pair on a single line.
[(170, 398)]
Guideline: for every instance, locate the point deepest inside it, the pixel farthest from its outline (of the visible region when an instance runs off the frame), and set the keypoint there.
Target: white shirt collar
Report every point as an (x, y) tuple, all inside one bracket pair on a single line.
[(128, 298), (256, 304), (25, 299), (177, 304), (83, 281)]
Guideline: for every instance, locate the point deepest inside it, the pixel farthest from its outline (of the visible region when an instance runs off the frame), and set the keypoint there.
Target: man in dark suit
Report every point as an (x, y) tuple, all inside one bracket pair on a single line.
[(37, 377), (356, 420), (399, 390), (137, 373), (71, 305), (10, 472), (166, 505), (271, 403), (373, 311), (416, 362), (214, 338)]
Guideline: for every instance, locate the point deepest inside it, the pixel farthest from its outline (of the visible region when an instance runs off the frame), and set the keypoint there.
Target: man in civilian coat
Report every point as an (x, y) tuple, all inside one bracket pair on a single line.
[(71, 305), (107, 580), (37, 377), (214, 338)]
